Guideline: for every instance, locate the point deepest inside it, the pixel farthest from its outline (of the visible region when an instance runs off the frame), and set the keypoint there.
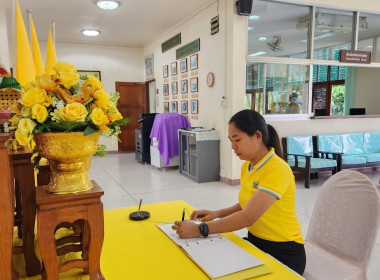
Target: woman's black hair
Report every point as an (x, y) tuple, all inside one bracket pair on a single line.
[(250, 121)]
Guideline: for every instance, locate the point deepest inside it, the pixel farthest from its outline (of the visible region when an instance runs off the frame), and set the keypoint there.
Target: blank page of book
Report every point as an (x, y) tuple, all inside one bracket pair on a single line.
[(216, 255)]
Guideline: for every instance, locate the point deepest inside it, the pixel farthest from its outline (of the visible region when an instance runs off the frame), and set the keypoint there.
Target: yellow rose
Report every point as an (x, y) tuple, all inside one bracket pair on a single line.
[(30, 85), (114, 115), (103, 125), (15, 120), (26, 126), (33, 96), (68, 79), (62, 67), (26, 112), (74, 112), (93, 83), (101, 98), (39, 113), (46, 82), (97, 116), (23, 139)]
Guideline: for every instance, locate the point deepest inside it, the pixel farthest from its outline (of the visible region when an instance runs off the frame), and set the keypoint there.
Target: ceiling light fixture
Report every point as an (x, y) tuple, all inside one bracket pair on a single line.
[(107, 4), (90, 32), (257, 53), (250, 28), (254, 17), (263, 38)]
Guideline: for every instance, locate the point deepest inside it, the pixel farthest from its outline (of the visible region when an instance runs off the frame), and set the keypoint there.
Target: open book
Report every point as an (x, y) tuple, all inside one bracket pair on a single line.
[(217, 255)]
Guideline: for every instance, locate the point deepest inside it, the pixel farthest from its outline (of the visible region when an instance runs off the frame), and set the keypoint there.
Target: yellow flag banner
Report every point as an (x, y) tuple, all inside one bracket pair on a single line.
[(37, 58), (25, 71), (51, 57)]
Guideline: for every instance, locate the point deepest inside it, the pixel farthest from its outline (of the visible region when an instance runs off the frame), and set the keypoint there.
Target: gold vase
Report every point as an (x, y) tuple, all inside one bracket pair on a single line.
[(69, 155)]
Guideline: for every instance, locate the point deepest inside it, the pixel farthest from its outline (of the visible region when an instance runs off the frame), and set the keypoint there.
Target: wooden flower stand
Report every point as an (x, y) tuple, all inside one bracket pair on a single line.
[(84, 209)]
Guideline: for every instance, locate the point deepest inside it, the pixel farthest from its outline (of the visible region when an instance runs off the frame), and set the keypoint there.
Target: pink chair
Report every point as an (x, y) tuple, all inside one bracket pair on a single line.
[(343, 228)]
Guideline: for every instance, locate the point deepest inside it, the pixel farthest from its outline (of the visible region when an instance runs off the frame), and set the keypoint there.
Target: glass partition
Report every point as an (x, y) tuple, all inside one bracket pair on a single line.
[(272, 30), (277, 88), (332, 33), (369, 35)]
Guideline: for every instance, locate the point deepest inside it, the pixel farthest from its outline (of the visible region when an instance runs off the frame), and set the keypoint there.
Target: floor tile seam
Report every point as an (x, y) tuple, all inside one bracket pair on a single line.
[(113, 179)]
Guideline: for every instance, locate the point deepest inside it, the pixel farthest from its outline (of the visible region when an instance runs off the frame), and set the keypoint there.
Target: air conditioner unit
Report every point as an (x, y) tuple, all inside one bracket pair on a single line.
[(325, 22)]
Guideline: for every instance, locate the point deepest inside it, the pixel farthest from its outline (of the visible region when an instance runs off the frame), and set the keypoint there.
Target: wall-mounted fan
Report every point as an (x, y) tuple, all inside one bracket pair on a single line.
[(275, 45)]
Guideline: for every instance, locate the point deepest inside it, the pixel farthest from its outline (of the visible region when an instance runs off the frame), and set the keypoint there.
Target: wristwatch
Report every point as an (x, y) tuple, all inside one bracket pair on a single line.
[(203, 227)]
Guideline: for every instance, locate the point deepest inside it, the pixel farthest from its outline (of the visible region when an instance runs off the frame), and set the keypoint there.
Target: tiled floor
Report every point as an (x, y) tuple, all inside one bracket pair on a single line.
[(125, 182)]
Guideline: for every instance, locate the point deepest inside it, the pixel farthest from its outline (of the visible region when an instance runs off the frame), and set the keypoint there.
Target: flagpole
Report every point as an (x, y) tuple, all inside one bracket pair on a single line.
[(14, 43), (28, 15), (53, 32)]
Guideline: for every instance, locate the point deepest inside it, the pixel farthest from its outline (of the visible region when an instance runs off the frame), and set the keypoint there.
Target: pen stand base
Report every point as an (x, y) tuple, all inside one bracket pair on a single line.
[(139, 216)]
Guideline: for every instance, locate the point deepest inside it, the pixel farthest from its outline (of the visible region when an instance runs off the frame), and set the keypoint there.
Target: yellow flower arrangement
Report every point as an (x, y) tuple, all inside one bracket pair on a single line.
[(66, 102)]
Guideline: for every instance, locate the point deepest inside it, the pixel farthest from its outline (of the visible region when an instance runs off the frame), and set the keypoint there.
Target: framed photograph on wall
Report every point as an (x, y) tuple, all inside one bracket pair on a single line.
[(183, 65), (194, 84), (184, 107), (184, 86), (194, 62), (149, 67), (174, 88), (165, 71), (174, 68), (194, 106), (165, 89), (174, 107), (96, 74), (166, 107)]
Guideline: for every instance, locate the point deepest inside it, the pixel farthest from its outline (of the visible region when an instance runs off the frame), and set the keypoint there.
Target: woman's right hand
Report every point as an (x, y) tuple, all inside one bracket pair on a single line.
[(204, 215)]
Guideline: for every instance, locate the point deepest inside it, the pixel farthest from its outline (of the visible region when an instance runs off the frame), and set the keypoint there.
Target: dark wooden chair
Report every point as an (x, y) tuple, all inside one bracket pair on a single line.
[(7, 213), (303, 158)]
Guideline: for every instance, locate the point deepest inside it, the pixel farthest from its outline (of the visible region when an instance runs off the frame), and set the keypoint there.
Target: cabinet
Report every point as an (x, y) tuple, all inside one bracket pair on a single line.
[(199, 155)]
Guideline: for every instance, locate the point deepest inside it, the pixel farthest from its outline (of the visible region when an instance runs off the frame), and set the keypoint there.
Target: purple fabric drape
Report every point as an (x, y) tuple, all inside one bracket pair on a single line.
[(165, 129)]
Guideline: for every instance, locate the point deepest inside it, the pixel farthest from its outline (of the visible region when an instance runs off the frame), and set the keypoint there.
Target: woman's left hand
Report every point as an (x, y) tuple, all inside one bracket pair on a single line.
[(186, 229)]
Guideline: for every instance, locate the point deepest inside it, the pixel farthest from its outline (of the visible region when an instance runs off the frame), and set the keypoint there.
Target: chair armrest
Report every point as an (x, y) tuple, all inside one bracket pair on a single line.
[(336, 156), (296, 156)]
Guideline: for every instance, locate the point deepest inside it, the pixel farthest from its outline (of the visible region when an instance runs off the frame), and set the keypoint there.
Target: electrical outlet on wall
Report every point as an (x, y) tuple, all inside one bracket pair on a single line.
[(222, 173)]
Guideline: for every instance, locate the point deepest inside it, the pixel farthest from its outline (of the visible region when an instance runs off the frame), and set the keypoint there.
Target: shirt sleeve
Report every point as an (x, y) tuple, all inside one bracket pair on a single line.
[(275, 181)]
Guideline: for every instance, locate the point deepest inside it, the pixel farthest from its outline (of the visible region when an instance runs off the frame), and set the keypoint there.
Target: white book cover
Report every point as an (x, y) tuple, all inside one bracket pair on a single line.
[(216, 255)]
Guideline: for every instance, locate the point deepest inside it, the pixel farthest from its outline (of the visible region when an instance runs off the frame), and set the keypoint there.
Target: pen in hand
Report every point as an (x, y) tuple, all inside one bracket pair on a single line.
[(183, 215)]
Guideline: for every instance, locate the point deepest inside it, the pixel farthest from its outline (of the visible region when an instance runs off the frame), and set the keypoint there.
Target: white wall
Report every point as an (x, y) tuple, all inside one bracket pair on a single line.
[(4, 50), (367, 90), (210, 59), (224, 55), (325, 126)]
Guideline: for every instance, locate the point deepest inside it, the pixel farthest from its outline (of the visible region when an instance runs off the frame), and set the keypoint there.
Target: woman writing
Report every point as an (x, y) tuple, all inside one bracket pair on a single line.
[(267, 196)]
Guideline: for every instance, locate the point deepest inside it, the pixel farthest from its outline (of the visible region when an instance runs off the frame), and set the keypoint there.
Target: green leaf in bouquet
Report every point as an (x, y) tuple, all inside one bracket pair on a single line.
[(67, 126), (89, 130)]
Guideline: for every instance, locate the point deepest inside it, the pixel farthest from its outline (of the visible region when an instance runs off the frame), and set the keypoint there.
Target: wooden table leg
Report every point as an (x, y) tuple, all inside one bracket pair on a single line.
[(95, 217), (24, 175), (46, 242)]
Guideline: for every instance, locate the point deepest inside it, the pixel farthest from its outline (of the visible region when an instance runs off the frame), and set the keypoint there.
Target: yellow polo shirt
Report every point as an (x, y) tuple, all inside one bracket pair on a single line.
[(272, 175)]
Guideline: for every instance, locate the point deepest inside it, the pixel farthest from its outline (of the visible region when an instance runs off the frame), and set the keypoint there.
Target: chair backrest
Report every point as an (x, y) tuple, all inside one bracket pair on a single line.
[(353, 143), (330, 143), (346, 216), (7, 215), (372, 142), (300, 145)]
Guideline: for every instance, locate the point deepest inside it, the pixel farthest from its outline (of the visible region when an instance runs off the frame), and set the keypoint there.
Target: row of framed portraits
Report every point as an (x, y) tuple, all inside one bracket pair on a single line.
[(193, 61), (184, 87), (173, 107)]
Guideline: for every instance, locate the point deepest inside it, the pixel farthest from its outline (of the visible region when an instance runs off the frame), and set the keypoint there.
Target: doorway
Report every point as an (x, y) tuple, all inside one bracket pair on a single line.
[(133, 101)]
